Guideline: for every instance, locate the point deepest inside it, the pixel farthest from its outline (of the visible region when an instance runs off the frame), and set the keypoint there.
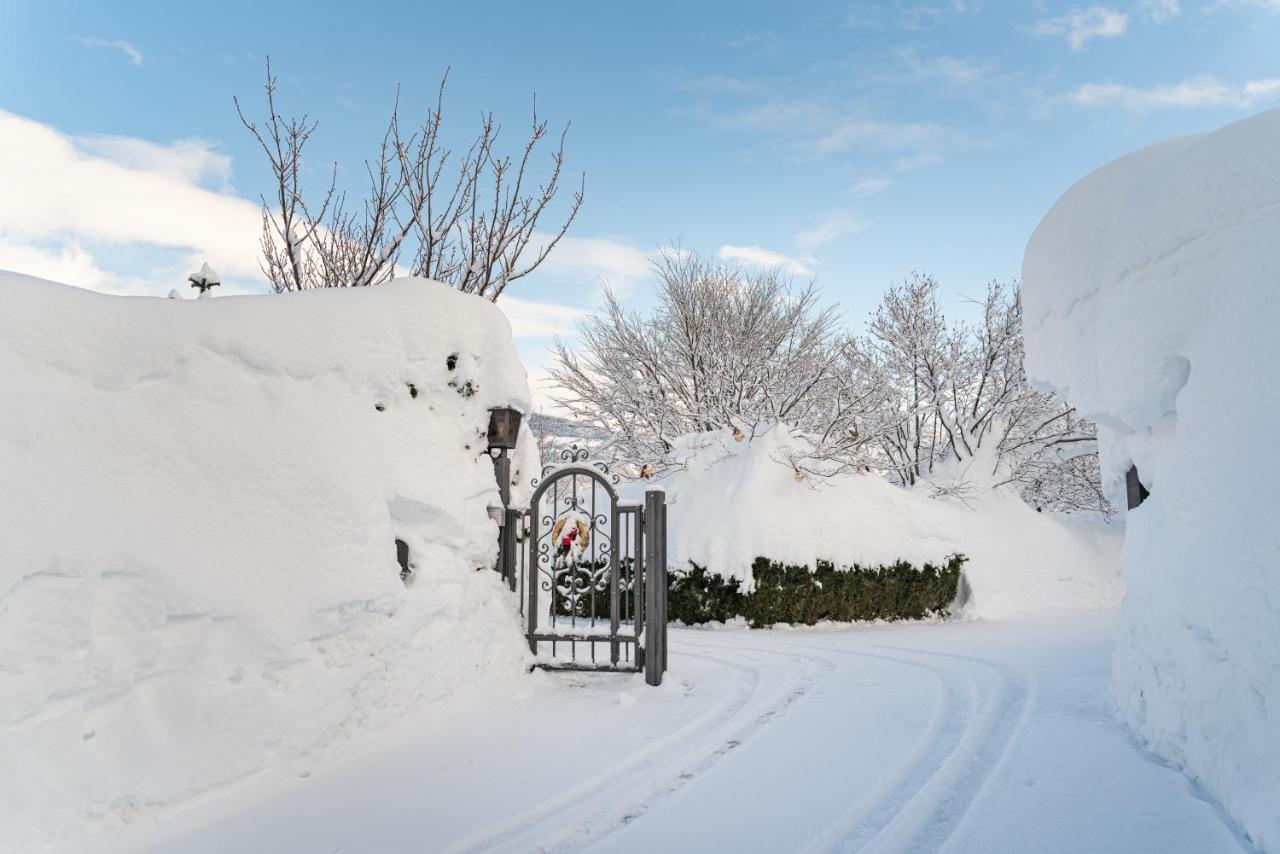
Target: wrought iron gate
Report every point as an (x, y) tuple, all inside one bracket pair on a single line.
[(590, 570)]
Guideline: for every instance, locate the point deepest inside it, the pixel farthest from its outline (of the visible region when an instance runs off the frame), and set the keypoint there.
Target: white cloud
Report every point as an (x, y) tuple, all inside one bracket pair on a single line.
[(765, 42), (65, 198), (778, 116), (544, 390), (908, 15), (58, 190), (1080, 25), (65, 263), (837, 224), (1161, 10), (756, 256), (816, 127), (530, 319), (871, 186), (195, 161), (721, 84), (947, 69), (1197, 92), (595, 260), (924, 160), (130, 50), (1273, 5), (879, 134)]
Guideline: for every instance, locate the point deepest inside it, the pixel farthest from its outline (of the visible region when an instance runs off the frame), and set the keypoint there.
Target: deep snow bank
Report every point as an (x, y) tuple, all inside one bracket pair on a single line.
[(734, 501), (1150, 294), (199, 501)]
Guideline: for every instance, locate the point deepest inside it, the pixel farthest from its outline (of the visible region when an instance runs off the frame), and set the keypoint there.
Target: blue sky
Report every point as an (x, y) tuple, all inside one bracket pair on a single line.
[(853, 142)]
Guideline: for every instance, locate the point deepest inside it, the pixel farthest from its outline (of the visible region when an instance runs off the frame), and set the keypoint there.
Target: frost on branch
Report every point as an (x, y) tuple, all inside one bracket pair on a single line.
[(956, 390), (724, 348), (927, 401)]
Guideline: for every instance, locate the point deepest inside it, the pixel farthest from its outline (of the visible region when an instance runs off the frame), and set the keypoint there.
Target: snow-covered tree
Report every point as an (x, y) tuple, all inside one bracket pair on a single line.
[(945, 405), (468, 220), (956, 389), (742, 351)]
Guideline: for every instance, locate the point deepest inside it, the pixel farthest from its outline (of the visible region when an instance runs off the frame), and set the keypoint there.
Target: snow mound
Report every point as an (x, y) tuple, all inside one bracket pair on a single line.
[(198, 576), (1150, 295), (733, 501)]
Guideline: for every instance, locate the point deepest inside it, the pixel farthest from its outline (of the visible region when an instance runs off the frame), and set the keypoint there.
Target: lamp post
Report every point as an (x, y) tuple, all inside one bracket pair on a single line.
[(504, 428)]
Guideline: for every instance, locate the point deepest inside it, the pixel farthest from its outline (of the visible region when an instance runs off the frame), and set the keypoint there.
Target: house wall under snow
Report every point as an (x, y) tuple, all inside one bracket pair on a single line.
[(1152, 302)]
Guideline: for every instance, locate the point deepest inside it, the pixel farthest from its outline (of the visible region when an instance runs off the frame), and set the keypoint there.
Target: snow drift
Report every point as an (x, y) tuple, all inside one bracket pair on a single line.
[(733, 501), (198, 576), (1151, 296)]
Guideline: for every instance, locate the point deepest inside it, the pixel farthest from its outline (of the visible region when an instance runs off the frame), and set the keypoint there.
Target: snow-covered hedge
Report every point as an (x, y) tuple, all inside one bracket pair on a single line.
[(1152, 299), (199, 500), (732, 502)]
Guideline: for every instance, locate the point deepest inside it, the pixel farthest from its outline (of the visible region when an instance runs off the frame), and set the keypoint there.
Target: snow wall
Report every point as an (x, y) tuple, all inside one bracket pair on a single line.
[(199, 501), (1151, 296), (734, 501)]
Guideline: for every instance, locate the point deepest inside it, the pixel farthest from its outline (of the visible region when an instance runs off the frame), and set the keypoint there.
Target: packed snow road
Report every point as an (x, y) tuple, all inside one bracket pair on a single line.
[(963, 737)]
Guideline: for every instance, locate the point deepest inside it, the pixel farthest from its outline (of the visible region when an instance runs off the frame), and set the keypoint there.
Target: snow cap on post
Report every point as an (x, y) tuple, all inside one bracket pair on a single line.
[(205, 279)]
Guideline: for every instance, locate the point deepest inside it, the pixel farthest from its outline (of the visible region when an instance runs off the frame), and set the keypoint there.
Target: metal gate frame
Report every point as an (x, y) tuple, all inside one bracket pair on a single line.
[(627, 553)]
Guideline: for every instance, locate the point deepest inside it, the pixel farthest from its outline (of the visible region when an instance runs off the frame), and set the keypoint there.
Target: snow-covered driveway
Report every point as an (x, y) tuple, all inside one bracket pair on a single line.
[(965, 737)]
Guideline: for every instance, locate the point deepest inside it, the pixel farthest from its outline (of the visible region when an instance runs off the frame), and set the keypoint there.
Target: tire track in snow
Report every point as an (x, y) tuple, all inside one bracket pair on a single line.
[(931, 817), (582, 814), (921, 806), (692, 770)]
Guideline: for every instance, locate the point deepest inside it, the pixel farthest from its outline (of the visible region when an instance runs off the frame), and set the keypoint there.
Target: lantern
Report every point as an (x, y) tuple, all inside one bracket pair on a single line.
[(504, 427)]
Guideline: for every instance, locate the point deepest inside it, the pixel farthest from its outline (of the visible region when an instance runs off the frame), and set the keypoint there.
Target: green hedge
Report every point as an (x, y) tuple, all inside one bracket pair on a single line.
[(800, 595)]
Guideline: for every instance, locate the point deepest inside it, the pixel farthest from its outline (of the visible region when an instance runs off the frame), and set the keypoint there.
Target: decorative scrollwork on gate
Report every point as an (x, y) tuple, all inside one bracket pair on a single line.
[(575, 456), (575, 510)]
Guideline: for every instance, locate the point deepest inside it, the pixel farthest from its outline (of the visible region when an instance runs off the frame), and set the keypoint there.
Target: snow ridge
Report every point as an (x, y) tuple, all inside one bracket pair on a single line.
[(198, 578)]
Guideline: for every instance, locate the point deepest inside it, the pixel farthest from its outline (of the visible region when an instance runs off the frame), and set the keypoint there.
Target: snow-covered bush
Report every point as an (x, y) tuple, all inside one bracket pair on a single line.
[(198, 576), (1151, 296)]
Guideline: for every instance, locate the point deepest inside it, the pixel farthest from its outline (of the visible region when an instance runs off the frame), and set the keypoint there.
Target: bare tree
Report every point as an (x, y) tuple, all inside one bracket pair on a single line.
[(470, 221)]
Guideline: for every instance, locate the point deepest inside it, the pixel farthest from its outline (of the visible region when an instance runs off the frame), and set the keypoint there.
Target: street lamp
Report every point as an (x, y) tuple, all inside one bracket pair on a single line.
[(504, 428)]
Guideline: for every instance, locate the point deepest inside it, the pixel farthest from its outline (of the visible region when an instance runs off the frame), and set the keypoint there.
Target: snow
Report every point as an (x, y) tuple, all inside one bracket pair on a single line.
[(198, 580), (733, 501), (1150, 296), (975, 738)]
